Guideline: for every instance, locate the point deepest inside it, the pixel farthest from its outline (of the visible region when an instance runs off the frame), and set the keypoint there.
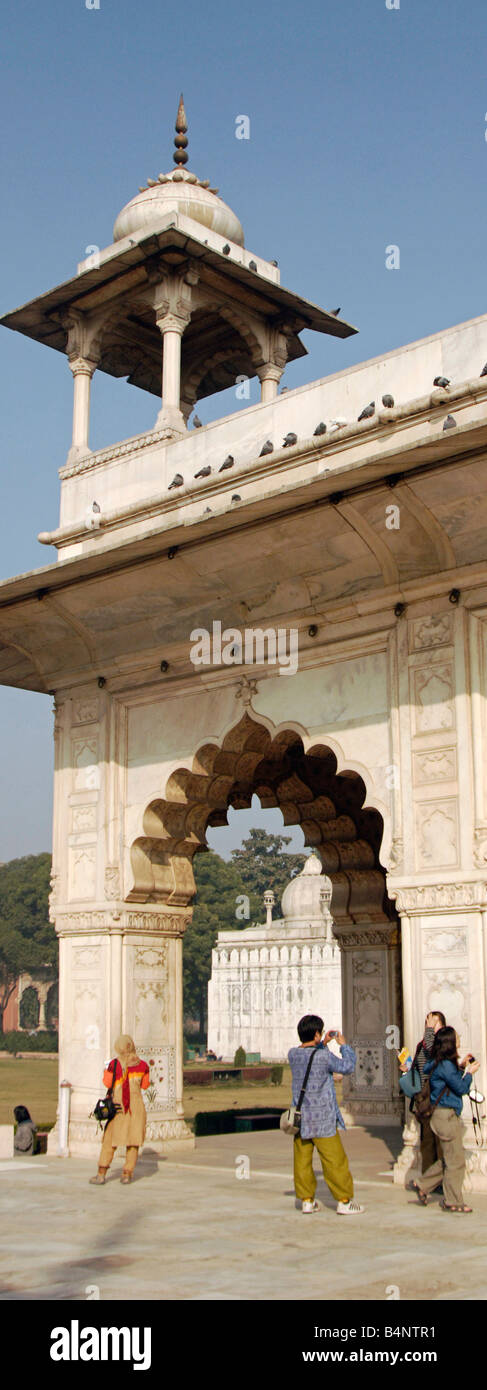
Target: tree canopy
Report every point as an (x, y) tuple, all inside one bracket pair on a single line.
[(27, 939), (263, 863)]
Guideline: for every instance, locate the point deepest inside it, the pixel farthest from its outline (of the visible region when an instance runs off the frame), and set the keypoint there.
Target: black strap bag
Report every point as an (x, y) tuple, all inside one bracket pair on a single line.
[(290, 1120), (423, 1104), (106, 1109)]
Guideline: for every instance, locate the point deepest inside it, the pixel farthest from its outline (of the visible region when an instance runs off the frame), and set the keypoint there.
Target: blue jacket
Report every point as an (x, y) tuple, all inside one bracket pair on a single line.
[(447, 1073), (320, 1116)]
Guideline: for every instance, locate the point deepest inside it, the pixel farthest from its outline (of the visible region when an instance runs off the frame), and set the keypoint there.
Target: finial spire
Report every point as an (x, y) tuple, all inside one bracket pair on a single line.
[(180, 157)]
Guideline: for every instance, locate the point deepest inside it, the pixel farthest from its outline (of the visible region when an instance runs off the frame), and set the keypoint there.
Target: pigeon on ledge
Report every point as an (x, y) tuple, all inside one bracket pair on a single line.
[(267, 448), (368, 411), (290, 440), (441, 381), (388, 402), (197, 423), (449, 423), (177, 481), (484, 370), (229, 462), (204, 472), (320, 429)]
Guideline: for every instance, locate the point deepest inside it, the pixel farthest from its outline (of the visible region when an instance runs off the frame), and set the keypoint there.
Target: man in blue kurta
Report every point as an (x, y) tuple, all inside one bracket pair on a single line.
[(320, 1117)]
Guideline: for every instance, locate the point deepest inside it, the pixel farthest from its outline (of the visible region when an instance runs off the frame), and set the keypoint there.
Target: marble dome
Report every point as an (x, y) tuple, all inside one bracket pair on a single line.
[(303, 898), (178, 191)]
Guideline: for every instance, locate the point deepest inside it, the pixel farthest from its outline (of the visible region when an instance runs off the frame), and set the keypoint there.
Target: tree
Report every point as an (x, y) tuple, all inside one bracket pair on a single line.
[(263, 863), (27, 938), (219, 888)]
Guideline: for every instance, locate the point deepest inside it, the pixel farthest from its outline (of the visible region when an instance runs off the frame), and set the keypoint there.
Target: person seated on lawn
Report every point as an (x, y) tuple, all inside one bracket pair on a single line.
[(24, 1139)]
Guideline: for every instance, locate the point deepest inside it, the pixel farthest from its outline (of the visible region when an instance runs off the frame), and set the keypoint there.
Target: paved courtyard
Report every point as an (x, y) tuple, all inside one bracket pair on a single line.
[(189, 1229)]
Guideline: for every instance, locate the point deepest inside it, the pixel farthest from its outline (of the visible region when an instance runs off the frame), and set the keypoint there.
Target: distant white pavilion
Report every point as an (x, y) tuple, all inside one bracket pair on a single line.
[(265, 978)]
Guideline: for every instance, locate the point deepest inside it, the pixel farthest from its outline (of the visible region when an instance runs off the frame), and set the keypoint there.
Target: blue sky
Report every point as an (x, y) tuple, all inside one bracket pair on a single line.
[(367, 127)]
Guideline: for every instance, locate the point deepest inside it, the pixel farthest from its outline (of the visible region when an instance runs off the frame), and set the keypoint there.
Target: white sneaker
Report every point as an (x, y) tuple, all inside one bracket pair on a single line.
[(350, 1208), (309, 1207)]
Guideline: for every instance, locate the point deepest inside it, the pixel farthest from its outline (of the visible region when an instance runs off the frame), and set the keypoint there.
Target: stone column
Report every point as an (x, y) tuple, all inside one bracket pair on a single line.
[(82, 369), (269, 376), (371, 1003), (170, 416)]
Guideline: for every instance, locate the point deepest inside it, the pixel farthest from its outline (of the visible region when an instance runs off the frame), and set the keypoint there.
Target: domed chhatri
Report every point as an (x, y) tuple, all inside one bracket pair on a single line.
[(178, 191), (306, 894)]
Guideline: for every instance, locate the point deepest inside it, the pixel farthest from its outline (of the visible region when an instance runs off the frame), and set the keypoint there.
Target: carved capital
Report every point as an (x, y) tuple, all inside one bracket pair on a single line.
[(84, 338)]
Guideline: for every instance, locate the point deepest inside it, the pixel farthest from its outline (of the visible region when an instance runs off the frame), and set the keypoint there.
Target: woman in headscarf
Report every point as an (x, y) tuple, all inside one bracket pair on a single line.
[(128, 1125)]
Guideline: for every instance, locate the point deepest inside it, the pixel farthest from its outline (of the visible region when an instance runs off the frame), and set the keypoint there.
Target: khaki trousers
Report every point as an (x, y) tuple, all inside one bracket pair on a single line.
[(334, 1163), (447, 1126), (108, 1154), (430, 1147)]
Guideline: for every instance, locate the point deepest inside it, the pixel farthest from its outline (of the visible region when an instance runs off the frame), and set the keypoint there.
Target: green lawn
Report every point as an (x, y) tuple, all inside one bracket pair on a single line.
[(34, 1083), (30, 1082)]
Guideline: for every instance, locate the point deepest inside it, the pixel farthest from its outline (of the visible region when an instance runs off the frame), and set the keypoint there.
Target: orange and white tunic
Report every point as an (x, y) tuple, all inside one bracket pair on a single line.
[(128, 1127)]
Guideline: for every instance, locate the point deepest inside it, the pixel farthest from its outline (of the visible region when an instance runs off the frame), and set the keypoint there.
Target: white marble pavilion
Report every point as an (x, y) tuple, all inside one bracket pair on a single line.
[(264, 978)]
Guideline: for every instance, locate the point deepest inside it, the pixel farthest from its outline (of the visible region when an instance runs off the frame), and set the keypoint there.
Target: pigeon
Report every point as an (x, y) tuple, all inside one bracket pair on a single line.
[(93, 516), (274, 262), (177, 481), (449, 423), (252, 265), (388, 401), (226, 249), (320, 429), (335, 312), (207, 511), (236, 497), (484, 370), (289, 440), (197, 423), (229, 462), (267, 448), (282, 390), (441, 381), (204, 472), (367, 412)]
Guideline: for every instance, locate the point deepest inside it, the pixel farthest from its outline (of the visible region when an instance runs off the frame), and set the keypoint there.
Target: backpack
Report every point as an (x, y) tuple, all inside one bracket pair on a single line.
[(423, 1104)]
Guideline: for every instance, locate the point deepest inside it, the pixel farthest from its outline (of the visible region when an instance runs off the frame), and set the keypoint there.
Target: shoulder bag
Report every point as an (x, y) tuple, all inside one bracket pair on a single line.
[(290, 1120), (106, 1109)]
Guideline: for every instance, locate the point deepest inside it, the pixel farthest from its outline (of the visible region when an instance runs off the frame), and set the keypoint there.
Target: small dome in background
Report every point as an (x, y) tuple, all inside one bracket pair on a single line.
[(307, 893), (178, 191)]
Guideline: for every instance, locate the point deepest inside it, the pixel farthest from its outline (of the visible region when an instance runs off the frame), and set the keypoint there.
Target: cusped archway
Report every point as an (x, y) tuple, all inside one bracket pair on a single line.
[(328, 805)]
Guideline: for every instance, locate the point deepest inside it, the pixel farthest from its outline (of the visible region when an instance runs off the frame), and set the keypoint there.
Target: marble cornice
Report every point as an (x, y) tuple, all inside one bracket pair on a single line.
[(415, 900), (120, 920)]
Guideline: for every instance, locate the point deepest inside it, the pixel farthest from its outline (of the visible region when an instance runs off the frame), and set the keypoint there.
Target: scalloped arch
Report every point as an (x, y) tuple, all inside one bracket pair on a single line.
[(308, 787)]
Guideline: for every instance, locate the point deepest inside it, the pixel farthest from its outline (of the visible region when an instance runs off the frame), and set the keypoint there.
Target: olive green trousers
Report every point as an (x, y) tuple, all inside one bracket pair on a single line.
[(334, 1162)]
